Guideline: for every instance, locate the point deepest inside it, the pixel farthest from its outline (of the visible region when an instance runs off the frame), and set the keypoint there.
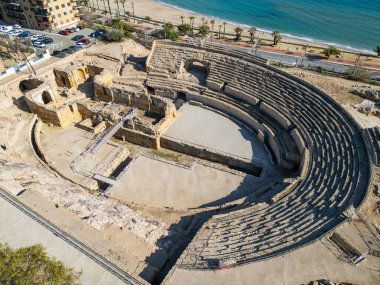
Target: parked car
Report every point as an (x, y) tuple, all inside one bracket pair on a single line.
[(86, 41), (58, 53), (15, 32), (41, 38), (75, 29), (77, 38), (80, 45), (6, 29), (70, 30), (64, 32), (97, 34), (47, 40), (16, 27), (38, 45), (34, 37), (80, 27), (25, 34)]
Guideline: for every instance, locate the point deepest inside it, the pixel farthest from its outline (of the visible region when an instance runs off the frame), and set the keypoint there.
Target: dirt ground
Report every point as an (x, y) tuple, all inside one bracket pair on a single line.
[(338, 88)]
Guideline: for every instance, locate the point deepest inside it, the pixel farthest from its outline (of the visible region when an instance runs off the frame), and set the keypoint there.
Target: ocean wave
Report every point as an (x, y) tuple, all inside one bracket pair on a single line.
[(295, 37)]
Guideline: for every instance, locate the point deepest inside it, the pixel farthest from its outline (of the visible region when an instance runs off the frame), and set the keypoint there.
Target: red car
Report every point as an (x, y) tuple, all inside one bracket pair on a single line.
[(64, 32), (70, 30), (86, 41)]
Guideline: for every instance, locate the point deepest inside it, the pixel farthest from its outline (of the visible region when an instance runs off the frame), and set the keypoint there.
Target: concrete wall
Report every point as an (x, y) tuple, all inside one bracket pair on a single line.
[(276, 115), (138, 138)]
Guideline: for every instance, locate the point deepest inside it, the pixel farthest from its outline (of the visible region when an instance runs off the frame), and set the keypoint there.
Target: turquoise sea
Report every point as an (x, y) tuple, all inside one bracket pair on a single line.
[(349, 23)]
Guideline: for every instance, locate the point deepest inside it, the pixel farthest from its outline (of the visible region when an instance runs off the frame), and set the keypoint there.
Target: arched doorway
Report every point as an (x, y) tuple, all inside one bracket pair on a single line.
[(46, 97)]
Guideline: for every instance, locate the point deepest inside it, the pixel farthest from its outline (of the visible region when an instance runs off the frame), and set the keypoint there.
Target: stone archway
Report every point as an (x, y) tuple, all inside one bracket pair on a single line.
[(198, 69), (46, 97)]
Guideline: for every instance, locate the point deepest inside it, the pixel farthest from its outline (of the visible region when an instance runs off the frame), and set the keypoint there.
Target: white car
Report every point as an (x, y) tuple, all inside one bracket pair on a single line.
[(39, 45), (6, 29), (16, 32), (34, 37), (75, 29), (16, 27), (81, 45)]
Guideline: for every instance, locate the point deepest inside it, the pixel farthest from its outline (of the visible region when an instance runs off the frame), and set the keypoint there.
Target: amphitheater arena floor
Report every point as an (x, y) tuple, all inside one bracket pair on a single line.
[(208, 128), (159, 184)]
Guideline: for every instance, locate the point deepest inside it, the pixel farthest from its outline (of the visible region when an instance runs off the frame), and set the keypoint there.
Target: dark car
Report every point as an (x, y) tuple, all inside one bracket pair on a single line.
[(77, 38), (25, 34), (47, 40), (66, 50), (97, 34)]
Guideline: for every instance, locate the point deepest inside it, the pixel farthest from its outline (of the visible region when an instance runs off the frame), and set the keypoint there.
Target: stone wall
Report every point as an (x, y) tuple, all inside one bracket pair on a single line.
[(139, 138), (212, 155), (71, 77)]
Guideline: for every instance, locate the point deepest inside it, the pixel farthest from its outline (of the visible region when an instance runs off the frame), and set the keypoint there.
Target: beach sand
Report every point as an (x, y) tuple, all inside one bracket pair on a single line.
[(160, 12)]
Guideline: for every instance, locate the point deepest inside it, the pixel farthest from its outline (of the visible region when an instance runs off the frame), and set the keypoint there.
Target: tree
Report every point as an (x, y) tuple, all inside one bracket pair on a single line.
[(31, 265), (203, 21), (204, 30), (184, 28), (238, 32), (377, 50), (169, 31), (118, 8), (182, 17), (114, 35), (220, 28), (252, 32), (212, 22), (148, 19), (123, 4), (331, 51), (109, 7), (276, 37), (192, 19), (105, 7), (224, 29)]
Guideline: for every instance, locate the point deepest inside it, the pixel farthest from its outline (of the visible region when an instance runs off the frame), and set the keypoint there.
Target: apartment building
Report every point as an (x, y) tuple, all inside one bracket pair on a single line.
[(43, 15)]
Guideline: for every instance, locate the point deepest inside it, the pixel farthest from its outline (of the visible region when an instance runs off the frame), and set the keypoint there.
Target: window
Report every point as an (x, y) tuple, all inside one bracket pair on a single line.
[(68, 4), (59, 15), (64, 13), (56, 7), (50, 9), (53, 16), (63, 5)]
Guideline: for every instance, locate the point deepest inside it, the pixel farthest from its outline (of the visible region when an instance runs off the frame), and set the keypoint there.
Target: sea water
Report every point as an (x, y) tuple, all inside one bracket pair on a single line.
[(347, 23)]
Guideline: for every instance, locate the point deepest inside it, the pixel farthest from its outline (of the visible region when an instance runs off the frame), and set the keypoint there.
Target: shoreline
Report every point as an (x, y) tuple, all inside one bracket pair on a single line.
[(287, 37)]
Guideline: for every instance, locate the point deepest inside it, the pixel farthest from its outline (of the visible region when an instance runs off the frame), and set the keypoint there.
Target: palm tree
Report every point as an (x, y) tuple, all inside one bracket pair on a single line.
[(224, 29), (105, 8), (182, 17), (123, 4), (377, 50), (192, 19), (212, 22), (220, 27), (133, 11), (148, 19), (203, 21), (238, 32), (276, 37), (109, 7), (118, 8), (252, 32)]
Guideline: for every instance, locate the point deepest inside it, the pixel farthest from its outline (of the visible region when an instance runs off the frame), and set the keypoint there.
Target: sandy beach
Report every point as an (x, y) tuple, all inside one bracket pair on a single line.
[(164, 13), (161, 12)]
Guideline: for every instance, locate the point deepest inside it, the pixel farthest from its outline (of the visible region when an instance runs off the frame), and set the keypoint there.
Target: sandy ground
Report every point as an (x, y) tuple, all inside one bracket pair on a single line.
[(178, 187), (220, 133)]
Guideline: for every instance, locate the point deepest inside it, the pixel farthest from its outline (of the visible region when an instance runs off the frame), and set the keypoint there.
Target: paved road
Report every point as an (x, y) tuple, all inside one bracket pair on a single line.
[(296, 60)]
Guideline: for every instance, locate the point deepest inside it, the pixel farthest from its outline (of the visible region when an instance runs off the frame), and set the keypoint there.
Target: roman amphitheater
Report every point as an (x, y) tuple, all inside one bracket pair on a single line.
[(189, 163)]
